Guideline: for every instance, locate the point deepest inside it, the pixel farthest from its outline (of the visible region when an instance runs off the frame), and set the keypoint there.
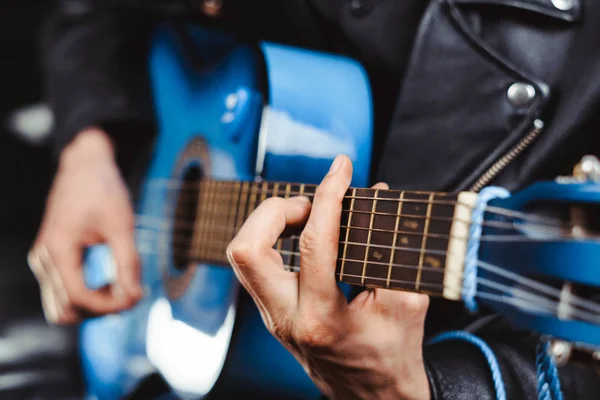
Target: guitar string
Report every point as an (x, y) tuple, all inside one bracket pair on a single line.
[(493, 224), (221, 245), (233, 208), (509, 275), (187, 227), (491, 209), (521, 298), (498, 224)]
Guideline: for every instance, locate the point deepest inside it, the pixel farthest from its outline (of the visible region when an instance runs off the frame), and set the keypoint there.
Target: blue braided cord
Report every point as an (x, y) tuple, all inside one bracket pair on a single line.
[(548, 379), (469, 288), (487, 352)]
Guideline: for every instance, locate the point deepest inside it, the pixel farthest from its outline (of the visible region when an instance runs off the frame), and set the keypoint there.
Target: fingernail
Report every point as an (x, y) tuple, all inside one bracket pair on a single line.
[(335, 165)]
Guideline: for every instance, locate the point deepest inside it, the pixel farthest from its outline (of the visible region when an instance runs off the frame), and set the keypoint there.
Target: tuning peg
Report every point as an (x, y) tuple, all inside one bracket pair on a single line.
[(588, 169)]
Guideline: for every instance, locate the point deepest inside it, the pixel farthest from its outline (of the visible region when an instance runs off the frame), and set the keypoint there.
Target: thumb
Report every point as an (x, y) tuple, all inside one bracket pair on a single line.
[(121, 239)]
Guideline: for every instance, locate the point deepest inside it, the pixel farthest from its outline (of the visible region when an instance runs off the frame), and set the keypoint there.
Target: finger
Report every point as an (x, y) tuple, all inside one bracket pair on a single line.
[(121, 240), (381, 186), (65, 258), (320, 238), (256, 264), (406, 307)]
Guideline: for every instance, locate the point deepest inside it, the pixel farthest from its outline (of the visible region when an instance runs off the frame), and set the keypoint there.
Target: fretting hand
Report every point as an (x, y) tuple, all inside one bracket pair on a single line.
[(88, 204), (369, 348)]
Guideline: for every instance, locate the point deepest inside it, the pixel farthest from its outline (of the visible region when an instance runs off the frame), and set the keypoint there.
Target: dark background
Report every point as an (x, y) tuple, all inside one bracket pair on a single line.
[(36, 361)]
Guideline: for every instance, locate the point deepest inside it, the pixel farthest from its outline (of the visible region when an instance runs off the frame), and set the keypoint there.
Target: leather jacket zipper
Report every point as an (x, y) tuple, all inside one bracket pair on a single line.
[(500, 164)]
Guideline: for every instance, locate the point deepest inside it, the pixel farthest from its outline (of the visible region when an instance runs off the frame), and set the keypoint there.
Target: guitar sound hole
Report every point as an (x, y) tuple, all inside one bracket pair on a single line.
[(185, 216)]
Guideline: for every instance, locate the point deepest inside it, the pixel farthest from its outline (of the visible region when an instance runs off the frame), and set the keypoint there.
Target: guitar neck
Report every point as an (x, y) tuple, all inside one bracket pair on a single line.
[(403, 240)]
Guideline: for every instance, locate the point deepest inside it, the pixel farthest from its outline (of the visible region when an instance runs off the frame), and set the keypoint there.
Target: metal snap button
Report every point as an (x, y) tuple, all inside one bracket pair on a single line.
[(563, 4), (520, 94), (360, 8)]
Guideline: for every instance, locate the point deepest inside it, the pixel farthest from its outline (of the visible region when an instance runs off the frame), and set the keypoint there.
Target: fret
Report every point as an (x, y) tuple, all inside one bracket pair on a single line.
[(198, 222), (409, 239), (212, 252), (394, 239), (353, 256), (379, 252), (308, 191), (424, 241), (369, 234), (241, 217), (295, 257), (279, 242), (234, 197), (219, 226), (217, 231), (438, 237), (264, 192), (252, 202), (345, 232), (206, 220), (236, 208)]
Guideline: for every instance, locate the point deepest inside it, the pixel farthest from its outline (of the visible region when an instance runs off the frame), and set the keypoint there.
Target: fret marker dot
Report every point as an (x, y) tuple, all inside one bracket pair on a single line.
[(434, 262), (411, 224), (377, 255)]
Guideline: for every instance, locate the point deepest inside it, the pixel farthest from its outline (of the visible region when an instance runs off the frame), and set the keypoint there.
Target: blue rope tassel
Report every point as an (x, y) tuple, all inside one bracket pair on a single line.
[(469, 288), (487, 352), (548, 380)]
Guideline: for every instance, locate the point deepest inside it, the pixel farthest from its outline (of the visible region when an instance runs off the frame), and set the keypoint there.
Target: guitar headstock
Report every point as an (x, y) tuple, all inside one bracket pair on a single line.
[(540, 258)]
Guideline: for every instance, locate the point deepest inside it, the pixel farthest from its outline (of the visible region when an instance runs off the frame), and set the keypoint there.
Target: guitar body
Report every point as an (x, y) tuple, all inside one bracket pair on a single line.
[(228, 112)]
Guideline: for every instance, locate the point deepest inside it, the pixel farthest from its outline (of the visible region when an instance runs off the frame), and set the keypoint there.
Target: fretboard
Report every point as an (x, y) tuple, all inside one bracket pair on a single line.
[(413, 241)]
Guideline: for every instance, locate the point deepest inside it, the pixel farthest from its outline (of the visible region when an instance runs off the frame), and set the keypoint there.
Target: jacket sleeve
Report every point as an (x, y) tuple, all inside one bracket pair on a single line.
[(94, 63), (458, 370)]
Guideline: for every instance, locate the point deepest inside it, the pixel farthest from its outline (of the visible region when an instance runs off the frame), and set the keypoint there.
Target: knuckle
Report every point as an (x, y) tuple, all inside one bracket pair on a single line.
[(280, 331), (241, 253), (309, 240), (416, 304), (314, 333), (77, 298)]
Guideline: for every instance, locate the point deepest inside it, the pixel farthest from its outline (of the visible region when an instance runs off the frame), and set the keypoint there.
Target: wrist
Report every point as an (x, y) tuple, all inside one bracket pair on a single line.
[(89, 145), (413, 385)]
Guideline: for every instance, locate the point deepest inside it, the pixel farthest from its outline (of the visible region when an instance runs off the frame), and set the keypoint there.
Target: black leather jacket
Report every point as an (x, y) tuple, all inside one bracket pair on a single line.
[(457, 85)]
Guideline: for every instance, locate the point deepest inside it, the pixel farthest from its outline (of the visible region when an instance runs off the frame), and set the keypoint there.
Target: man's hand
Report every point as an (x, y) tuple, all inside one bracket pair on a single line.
[(370, 348), (88, 204)]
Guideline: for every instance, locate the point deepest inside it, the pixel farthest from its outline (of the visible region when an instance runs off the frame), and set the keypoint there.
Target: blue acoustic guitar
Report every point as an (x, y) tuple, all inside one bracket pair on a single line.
[(237, 124)]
